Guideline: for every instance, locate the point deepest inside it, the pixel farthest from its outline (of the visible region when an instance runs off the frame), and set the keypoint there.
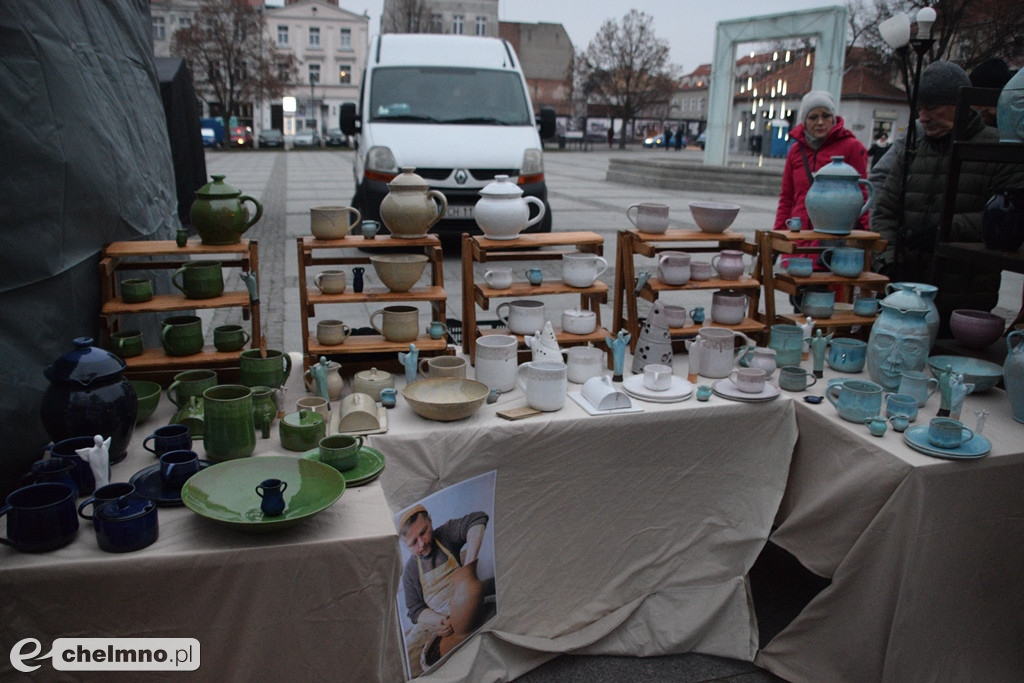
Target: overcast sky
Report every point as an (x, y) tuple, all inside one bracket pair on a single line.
[(687, 25)]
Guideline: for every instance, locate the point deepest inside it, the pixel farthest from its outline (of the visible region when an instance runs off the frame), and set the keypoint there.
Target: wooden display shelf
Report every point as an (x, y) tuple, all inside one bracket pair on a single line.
[(654, 286), (484, 293), (175, 302), (376, 294), (868, 280), (373, 343), (157, 359), (525, 246), (564, 338), (838, 319)]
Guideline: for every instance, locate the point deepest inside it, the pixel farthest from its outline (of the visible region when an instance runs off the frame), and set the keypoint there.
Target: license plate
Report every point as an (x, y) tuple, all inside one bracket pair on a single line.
[(464, 211)]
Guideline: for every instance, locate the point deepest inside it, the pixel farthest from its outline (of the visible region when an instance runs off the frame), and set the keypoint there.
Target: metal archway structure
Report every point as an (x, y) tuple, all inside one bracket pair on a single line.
[(828, 25)]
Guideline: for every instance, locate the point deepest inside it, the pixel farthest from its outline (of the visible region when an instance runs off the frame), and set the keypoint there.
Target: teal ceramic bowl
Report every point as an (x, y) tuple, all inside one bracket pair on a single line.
[(148, 394), (981, 373), (226, 492)]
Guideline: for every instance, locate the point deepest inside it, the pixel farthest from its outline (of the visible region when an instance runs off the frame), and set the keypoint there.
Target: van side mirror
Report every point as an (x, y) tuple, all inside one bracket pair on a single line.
[(547, 123), (348, 119)]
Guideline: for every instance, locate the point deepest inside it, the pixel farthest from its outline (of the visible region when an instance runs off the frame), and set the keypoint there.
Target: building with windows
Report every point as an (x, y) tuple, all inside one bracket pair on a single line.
[(457, 17), (546, 54)]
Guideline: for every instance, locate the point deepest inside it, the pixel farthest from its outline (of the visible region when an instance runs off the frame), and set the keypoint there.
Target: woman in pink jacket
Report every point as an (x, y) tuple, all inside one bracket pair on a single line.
[(819, 136)]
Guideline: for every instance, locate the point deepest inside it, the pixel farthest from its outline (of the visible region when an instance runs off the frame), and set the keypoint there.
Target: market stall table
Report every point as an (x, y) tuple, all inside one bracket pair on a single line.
[(925, 555), (316, 600), (614, 534)]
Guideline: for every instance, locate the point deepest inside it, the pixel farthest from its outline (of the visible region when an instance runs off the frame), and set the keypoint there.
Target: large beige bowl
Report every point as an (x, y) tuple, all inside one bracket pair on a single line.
[(445, 398), (399, 272), (713, 217)]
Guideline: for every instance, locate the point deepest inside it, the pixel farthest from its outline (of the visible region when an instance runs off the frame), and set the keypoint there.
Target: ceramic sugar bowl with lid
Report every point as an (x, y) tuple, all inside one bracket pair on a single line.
[(502, 212)]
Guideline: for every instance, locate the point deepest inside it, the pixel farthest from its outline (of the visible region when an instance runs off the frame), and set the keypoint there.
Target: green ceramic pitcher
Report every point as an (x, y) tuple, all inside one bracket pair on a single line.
[(229, 431)]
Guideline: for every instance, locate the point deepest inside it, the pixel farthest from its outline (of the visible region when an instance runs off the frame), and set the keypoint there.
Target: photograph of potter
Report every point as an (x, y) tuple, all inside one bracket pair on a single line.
[(447, 590)]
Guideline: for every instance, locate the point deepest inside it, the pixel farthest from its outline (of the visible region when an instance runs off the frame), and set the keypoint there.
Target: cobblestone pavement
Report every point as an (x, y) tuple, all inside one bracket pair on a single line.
[(290, 183)]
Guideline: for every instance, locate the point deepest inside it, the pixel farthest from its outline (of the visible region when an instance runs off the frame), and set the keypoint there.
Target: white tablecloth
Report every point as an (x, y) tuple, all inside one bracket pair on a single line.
[(623, 534), (313, 602), (926, 556)]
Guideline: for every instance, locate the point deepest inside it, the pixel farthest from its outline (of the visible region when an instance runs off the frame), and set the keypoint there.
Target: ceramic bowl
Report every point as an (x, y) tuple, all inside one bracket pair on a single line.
[(976, 329), (225, 493), (981, 373), (713, 217), (148, 394), (445, 398), (399, 272)]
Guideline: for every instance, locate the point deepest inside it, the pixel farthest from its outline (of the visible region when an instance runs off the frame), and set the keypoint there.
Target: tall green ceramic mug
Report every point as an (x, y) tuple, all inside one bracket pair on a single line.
[(190, 383), (271, 371), (229, 431), (199, 279)]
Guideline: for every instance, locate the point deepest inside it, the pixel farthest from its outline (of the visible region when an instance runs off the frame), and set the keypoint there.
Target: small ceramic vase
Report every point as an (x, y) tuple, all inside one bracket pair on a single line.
[(272, 493)]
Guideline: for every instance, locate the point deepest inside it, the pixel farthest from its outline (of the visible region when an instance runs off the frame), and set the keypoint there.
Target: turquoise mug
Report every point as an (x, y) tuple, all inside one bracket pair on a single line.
[(843, 261), (800, 266), (855, 399), (847, 355)]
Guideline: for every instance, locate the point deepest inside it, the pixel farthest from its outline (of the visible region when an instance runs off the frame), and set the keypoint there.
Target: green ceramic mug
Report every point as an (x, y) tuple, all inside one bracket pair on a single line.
[(340, 451), (182, 335), (272, 371), (127, 344), (229, 431), (230, 337), (190, 383), (136, 290), (199, 279)]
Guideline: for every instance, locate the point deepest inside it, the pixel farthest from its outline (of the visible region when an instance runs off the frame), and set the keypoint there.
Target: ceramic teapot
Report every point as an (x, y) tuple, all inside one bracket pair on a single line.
[(88, 394), (410, 207), (835, 200), (219, 215), (713, 351), (502, 211)]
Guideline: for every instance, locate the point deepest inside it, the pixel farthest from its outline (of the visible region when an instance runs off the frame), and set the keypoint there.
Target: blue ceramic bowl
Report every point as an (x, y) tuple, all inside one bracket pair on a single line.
[(981, 373)]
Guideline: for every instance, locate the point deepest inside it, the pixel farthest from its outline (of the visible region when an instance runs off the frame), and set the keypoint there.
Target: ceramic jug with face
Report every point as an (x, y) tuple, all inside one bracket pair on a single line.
[(899, 339), (502, 212), (836, 199), (219, 215), (927, 293), (411, 208)]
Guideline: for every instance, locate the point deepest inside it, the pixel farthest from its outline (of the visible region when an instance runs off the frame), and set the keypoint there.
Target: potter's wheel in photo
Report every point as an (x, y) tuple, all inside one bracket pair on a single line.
[(727, 389), (975, 447), (680, 390), (369, 467), (149, 485)]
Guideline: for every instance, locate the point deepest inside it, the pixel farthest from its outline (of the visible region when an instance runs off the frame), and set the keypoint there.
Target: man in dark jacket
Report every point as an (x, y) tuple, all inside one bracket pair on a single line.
[(911, 225)]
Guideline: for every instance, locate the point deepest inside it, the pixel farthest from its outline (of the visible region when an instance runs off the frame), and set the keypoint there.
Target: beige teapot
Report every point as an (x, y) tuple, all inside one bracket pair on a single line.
[(410, 207)]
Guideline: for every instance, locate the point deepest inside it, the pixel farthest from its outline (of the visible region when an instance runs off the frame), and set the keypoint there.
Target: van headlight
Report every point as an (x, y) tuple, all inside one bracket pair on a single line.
[(381, 160), (533, 163)]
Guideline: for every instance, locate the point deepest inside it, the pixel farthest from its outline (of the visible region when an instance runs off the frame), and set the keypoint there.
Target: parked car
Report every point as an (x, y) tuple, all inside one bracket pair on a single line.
[(241, 136), (271, 138), (656, 141), (702, 138), (307, 137), (335, 138), (212, 131)]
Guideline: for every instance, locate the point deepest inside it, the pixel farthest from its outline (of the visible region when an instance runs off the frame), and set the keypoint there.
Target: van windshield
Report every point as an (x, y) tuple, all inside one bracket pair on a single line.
[(449, 95)]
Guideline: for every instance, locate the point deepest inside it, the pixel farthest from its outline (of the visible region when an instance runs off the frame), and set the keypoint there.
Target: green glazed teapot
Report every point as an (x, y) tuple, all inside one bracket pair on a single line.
[(219, 215)]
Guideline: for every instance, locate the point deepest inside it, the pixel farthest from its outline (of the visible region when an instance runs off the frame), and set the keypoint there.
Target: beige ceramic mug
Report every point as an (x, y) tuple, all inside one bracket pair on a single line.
[(545, 384), (443, 366), (648, 217), (330, 281), (332, 332), (398, 323), (333, 222)]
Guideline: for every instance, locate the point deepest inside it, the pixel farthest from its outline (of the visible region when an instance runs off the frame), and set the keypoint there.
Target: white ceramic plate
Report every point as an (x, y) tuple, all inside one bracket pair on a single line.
[(679, 390), (726, 389)]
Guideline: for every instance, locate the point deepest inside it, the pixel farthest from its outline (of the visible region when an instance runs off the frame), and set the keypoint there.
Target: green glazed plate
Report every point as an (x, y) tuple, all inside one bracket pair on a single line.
[(226, 492), (371, 464)]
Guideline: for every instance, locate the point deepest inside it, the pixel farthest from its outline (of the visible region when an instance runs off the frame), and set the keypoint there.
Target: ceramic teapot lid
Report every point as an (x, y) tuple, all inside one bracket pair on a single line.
[(905, 299), (303, 419), (375, 376), (501, 186), (218, 189), (85, 364), (127, 507), (408, 179), (838, 170)]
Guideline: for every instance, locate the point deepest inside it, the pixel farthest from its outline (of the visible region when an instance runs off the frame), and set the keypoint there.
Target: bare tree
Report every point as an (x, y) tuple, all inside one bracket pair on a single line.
[(406, 16), (626, 67), (231, 59)]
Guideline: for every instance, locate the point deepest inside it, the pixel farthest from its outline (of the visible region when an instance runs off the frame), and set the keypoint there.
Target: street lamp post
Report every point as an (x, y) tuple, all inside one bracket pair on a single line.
[(311, 100)]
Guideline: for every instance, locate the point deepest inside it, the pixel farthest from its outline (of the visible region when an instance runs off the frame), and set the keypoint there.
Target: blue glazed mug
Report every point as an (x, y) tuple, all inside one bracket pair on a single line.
[(847, 355), (173, 437), (843, 261), (103, 495), (59, 470), (865, 305), (788, 342), (40, 517), (945, 432), (855, 399), (177, 466), (800, 266), (901, 404)]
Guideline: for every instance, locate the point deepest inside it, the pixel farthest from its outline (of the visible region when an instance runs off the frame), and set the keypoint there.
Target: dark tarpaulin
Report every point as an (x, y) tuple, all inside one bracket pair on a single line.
[(182, 112), (84, 160)]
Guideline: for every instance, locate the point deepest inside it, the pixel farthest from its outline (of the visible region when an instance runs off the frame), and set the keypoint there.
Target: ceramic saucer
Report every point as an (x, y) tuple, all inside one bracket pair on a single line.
[(727, 389), (917, 438), (147, 482), (371, 464), (680, 390)]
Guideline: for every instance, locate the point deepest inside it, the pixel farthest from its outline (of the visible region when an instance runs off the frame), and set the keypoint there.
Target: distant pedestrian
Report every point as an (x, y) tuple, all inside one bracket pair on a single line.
[(679, 139), (611, 137), (878, 148), (668, 139)]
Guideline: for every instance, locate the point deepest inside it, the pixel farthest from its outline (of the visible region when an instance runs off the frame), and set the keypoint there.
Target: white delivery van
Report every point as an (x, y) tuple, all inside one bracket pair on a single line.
[(457, 109)]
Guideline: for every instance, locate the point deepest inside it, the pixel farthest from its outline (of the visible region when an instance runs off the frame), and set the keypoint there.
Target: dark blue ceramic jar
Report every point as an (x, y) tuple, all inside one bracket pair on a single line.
[(88, 394), (126, 524)]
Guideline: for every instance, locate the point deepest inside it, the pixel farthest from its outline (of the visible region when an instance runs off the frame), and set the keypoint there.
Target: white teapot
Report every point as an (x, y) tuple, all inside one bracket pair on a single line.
[(502, 212)]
